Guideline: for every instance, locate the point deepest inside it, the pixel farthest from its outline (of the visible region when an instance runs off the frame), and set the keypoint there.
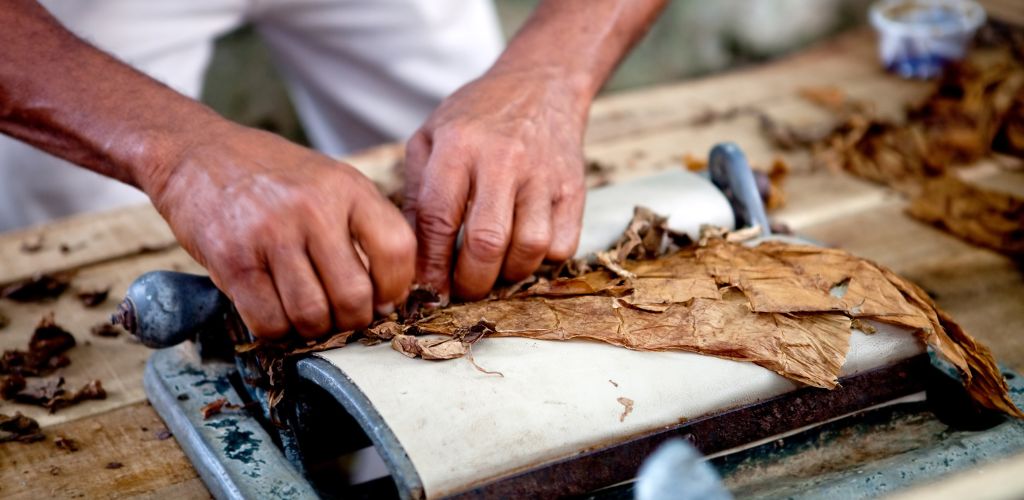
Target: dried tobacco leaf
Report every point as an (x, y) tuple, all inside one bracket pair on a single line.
[(977, 107), (627, 408), (981, 216), (38, 288), (52, 395), (66, 444), (44, 354), (93, 297), (106, 329), (216, 407), (788, 308), (19, 428)]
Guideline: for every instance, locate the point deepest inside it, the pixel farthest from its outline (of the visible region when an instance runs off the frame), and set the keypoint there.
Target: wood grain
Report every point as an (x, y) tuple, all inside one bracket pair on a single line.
[(151, 467)]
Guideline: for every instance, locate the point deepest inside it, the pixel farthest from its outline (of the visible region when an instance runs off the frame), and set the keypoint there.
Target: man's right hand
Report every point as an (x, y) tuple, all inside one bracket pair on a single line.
[(297, 240)]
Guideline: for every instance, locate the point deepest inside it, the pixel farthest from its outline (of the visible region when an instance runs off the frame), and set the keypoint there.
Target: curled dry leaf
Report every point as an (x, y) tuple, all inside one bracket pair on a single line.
[(52, 395), (19, 428), (215, 407), (38, 288), (93, 297), (976, 108), (45, 351)]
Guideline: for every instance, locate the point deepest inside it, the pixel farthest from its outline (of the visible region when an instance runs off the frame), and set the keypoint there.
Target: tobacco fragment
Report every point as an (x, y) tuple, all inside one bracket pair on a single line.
[(976, 108), (44, 354), (163, 434), (40, 287), (52, 395), (113, 465), (32, 244), (93, 297), (216, 407), (66, 444), (627, 408), (19, 428), (106, 329)]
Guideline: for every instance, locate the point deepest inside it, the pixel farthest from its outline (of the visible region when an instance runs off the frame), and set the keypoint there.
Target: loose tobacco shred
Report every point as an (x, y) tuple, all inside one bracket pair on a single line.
[(45, 351), (40, 287), (975, 109), (19, 428)]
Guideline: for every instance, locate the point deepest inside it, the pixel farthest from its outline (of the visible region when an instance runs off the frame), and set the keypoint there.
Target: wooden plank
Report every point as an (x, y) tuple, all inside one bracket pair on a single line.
[(89, 238), (151, 467), (116, 362)]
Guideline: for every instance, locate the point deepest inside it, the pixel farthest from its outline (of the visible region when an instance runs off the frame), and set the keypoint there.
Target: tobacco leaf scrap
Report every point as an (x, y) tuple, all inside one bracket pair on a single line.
[(19, 428), (52, 395), (45, 351), (40, 287), (216, 407), (106, 329), (976, 108), (67, 444), (93, 297)]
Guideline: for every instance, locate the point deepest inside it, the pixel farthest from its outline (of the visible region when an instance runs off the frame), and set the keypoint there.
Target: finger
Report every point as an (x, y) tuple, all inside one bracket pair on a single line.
[(255, 297), (441, 203), (487, 234), (567, 221), (417, 153), (345, 280), (531, 232), (300, 291), (390, 248)]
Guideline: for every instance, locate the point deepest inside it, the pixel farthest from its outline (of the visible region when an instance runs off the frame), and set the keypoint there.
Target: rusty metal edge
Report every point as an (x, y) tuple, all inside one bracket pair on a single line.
[(590, 470)]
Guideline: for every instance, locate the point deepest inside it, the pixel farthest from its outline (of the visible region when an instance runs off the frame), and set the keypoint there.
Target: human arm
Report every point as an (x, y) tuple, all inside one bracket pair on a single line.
[(279, 227)]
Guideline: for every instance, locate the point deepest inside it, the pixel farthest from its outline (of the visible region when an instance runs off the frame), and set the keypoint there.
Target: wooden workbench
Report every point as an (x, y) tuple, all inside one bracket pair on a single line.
[(633, 132)]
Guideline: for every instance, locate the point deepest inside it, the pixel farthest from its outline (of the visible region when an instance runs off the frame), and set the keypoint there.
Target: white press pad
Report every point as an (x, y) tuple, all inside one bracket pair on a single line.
[(688, 199), (460, 426)]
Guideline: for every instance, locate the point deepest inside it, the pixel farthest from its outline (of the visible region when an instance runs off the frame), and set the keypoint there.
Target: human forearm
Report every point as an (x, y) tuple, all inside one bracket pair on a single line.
[(65, 97), (579, 42)]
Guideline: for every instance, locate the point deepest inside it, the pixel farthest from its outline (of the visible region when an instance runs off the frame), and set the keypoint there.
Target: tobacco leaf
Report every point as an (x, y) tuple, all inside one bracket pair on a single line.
[(19, 428), (215, 407), (40, 287), (786, 307), (93, 297), (67, 444), (45, 351), (106, 329), (52, 395), (984, 217), (976, 108)]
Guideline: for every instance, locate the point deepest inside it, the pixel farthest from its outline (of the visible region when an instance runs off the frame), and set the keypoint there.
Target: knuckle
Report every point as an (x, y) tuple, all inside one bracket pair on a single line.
[(533, 243), (434, 226), (357, 294), (487, 243), (312, 318)]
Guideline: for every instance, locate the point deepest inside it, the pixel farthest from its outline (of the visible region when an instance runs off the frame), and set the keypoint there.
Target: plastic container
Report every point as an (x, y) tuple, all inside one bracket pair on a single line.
[(917, 38)]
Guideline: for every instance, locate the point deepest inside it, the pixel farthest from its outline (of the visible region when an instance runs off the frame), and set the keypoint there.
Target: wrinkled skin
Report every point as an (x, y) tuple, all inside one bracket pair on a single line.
[(304, 243), (503, 156), (281, 229)]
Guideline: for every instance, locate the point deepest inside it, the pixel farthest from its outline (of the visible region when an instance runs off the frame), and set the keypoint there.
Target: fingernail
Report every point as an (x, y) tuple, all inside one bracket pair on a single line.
[(385, 309)]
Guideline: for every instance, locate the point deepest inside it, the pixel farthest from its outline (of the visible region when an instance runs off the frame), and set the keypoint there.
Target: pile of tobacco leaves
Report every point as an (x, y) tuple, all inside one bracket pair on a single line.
[(975, 109), (787, 307), (25, 375)]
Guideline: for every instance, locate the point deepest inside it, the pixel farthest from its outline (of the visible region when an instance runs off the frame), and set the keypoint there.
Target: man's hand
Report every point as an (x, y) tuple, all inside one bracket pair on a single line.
[(502, 156), (501, 159), (297, 240)]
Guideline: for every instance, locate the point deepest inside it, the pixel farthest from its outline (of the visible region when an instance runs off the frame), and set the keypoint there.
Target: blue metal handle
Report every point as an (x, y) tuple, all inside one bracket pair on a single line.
[(731, 173)]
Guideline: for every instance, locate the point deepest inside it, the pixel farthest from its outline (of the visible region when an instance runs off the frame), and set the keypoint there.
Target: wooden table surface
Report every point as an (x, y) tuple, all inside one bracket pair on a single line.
[(632, 132)]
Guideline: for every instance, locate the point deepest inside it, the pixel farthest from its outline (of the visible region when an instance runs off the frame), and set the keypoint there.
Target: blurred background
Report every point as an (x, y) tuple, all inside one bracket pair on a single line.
[(692, 38)]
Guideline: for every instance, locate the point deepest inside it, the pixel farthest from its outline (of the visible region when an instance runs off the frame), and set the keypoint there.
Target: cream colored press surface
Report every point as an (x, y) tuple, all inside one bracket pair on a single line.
[(460, 426)]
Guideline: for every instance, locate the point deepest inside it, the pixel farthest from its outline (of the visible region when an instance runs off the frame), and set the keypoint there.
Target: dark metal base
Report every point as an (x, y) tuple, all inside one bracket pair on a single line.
[(861, 455)]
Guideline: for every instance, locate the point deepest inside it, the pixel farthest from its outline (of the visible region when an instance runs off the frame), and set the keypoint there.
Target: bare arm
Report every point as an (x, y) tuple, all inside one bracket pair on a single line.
[(277, 225), (503, 155)]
